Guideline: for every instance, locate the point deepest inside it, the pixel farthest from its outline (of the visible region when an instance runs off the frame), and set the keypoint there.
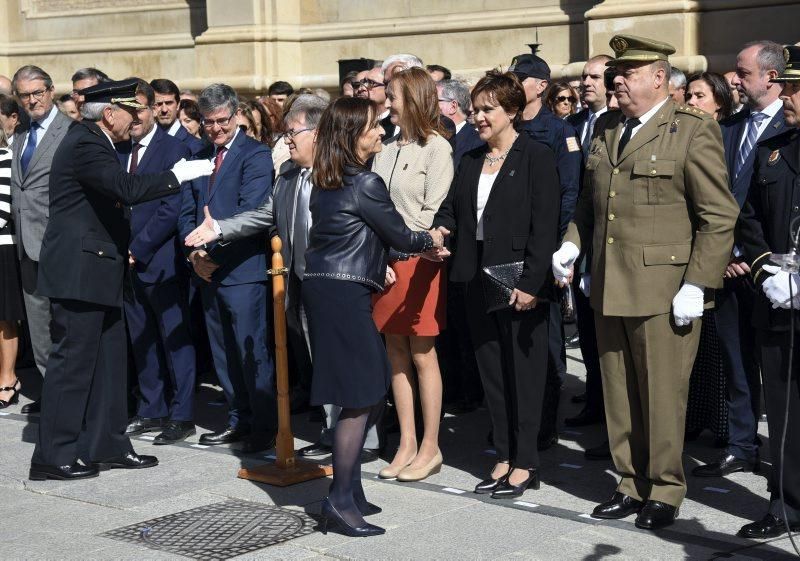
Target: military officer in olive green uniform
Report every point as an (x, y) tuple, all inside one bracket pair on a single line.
[(658, 212)]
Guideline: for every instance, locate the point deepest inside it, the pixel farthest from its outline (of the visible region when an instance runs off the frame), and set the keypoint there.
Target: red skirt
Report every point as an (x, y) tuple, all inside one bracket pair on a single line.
[(415, 304)]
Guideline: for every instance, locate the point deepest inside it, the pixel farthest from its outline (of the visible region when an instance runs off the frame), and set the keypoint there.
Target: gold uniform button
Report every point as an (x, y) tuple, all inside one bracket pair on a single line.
[(610, 240), (611, 216), (612, 194), (652, 172), (672, 258), (616, 171)]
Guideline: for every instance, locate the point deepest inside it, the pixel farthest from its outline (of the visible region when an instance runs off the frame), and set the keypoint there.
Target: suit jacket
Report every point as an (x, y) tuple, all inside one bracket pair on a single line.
[(243, 183), (520, 219), (84, 252), (658, 214), (195, 144), (466, 139), (732, 130), (154, 224), (30, 198)]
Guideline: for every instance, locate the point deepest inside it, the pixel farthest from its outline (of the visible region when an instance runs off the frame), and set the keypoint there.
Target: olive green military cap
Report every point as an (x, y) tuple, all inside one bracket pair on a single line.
[(630, 48), (791, 54)]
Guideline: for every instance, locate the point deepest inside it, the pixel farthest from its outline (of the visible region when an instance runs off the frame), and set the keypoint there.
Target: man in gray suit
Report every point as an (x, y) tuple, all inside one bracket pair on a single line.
[(34, 147), (286, 214)]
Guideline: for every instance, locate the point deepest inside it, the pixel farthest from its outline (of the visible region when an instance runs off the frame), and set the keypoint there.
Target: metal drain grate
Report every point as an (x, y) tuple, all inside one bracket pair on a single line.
[(219, 531)]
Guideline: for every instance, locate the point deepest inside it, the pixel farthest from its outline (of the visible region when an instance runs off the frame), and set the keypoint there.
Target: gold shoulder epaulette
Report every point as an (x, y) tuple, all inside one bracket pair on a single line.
[(699, 113)]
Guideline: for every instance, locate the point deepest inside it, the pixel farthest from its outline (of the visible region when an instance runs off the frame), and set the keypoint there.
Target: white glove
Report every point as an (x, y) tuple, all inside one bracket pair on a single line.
[(563, 260), (186, 171), (776, 288), (687, 305), (586, 285)]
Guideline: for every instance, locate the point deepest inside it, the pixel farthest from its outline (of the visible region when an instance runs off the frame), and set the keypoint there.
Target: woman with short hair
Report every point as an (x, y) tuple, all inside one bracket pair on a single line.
[(561, 99)]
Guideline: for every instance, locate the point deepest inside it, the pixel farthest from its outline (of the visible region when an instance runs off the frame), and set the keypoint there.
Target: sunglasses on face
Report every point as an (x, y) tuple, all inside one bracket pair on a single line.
[(563, 98)]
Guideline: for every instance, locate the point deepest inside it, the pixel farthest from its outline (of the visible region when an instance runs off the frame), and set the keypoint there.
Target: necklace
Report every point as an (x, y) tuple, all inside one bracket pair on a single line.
[(494, 159)]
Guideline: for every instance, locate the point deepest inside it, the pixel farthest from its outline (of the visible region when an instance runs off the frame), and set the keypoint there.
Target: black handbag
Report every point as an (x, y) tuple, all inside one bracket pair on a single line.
[(499, 281)]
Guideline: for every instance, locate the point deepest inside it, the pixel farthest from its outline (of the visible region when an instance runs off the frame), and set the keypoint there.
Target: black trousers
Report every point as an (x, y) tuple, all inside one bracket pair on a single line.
[(84, 409), (773, 348), (588, 342), (511, 352)]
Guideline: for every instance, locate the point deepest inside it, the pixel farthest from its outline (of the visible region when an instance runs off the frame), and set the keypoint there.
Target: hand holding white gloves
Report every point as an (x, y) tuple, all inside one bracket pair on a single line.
[(563, 262), (776, 288), (687, 305), (186, 171)]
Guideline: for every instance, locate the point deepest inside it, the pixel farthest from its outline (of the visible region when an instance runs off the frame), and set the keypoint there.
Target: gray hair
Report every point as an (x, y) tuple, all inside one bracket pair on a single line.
[(217, 96), (769, 57), (406, 60), (677, 78), (93, 110), (310, 106), (31, 72), (457, 91), (90, 74), (323, 93)]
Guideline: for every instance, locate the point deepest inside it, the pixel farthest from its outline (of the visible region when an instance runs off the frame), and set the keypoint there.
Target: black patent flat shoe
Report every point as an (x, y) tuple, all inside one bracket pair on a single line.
[(508, 491), (15, 387)]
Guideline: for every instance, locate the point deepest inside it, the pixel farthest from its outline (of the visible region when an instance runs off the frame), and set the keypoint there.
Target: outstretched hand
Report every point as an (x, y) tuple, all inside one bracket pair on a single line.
[(204, 233)]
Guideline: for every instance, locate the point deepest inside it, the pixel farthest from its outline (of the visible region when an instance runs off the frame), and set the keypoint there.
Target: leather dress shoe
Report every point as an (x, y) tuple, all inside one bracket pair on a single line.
[(40, 472), (725, 465), (175, 431), (656, 515), (600, 452), (369, 455), (258, 442), (546, 441), (489, 485), (129, 460), (573, 342), (314, 450), (768, 527), (585, 418), (508, 491), (32, 407), (141, 425), (620, 506), (225, 436)]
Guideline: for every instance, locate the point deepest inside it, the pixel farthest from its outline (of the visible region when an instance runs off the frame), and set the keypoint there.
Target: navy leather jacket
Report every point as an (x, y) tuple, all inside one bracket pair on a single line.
[(353, 228)]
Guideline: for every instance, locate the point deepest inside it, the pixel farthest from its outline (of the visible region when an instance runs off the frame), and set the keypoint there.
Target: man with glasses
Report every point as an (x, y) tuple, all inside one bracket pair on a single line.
[(86, 78), (369, 85), (30, 197), (167, 107), (230, 276), (454, 103)]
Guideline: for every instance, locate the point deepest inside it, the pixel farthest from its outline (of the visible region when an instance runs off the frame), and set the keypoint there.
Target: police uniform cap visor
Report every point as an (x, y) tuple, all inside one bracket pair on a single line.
[(630, 48), (791, 53), (530, 66), (119, 92)]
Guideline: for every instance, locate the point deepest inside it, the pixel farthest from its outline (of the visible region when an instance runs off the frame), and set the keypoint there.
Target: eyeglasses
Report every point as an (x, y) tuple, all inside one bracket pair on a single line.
[(367, 83), (290, 134), (446, 99), (563, 98), (37, 95), (209, 123)]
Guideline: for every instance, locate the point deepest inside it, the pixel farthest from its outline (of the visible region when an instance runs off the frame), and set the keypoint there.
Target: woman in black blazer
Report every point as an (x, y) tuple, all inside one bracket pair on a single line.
[(503, 207)]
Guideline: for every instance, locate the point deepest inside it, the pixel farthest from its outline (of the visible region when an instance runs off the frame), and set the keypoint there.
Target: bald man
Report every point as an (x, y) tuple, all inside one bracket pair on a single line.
[(5, 85)]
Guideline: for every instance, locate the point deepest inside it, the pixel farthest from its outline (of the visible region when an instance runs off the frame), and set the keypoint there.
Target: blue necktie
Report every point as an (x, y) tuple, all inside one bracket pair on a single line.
[(30, 148), (749, 141)]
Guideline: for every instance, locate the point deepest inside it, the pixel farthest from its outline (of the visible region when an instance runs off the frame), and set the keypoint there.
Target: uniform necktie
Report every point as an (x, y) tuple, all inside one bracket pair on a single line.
[(134, 158), (630, 124), (30, 147), (217, 164), (587, 139), (301, 223), (749, 140)]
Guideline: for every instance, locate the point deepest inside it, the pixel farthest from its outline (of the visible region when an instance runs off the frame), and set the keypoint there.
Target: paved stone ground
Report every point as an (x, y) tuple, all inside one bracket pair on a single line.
[(436, 519)]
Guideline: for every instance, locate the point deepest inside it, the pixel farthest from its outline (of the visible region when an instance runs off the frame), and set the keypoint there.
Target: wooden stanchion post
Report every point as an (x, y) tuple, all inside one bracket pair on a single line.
[(286, 470)]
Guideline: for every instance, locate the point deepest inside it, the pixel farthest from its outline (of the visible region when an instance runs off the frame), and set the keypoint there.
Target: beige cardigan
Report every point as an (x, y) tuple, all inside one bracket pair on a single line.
[(418, 177)]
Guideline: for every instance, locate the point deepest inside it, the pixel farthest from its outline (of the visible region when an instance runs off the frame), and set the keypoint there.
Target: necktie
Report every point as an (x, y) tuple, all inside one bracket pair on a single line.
[(749, 140), (30, 147), (587, 139), (302, 218), (134, 158), (630, 124), (217, 164)]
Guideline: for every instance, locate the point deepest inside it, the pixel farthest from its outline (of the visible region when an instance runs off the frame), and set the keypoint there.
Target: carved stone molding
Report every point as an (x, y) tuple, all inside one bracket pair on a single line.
[(33, 9)]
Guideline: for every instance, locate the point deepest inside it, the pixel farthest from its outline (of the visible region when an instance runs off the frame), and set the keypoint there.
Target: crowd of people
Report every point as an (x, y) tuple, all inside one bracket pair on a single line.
[(434, 230)]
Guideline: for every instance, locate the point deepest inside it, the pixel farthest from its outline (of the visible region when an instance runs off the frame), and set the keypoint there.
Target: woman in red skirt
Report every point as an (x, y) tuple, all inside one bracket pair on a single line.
[(417, 167)]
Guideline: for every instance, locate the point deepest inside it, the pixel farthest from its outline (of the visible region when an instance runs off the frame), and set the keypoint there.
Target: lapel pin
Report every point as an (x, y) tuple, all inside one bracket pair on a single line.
[(673, 128), (511, 173), (405, 167), (774, 156)]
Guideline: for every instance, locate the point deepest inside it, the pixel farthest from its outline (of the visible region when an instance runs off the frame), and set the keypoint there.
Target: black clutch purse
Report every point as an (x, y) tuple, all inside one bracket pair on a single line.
[(498, 283)]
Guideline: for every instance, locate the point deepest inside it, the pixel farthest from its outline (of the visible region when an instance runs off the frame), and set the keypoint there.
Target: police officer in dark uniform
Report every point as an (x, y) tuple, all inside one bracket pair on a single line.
[(561, 138), (82, 265), (767, 227)]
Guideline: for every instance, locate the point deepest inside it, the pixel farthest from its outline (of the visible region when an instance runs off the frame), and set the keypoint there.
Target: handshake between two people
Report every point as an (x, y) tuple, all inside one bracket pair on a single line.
[(438, 252)]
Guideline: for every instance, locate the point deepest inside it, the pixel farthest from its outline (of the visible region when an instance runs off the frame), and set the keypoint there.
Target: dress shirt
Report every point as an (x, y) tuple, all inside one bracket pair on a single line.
[(174, 128), (43, 124), (143, 143), (770, 111), (646, 117), (460, 126)]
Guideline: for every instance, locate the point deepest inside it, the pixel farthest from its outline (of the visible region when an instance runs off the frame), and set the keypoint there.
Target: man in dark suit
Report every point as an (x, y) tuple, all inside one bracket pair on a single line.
[(34, 147), (83, 260), (454, 103), (767, 228), (762, 119), (232, 277), (168, 99), (157, 299)]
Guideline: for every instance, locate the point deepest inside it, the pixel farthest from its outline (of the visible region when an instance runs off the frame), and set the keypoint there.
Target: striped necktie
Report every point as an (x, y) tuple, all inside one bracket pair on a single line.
[(587, 139), (754, 121)]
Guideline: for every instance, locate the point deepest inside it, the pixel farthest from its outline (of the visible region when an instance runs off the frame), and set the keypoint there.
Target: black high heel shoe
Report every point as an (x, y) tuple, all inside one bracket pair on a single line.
[(329, 513), (509, 491), (365, 507), (14, 396)]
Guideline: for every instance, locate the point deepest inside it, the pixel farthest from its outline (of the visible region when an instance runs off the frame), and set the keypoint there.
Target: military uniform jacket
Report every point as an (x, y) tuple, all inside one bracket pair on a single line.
[(773, 201), (84, 252), (659, 214)]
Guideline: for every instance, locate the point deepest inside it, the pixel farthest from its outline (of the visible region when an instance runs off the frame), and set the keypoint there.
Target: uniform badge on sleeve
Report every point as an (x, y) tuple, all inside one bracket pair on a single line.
[(572, 144), (774, 156)]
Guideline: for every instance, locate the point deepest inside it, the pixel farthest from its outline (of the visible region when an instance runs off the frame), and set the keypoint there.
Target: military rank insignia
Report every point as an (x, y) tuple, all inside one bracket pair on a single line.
[(774, 156)]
